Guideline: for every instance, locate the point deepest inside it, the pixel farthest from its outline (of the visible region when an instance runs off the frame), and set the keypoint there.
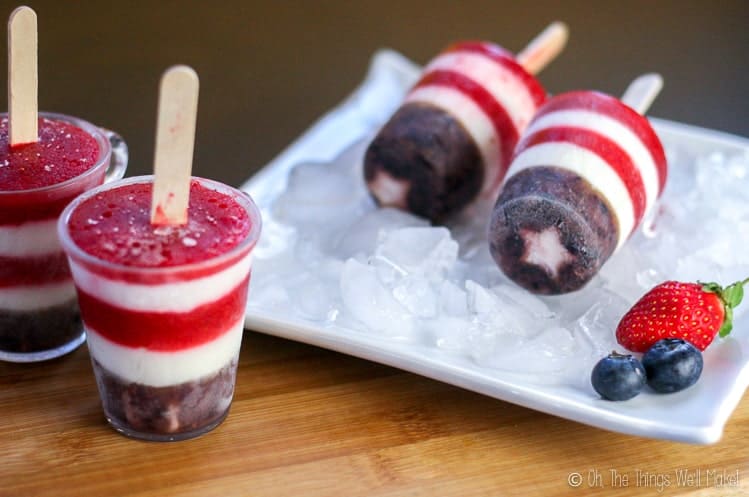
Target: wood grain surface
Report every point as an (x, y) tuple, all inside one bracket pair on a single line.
[(307, 421)]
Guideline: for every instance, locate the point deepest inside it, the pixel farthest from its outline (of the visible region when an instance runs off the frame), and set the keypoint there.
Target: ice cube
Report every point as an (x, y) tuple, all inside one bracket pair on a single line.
[(486, 343), (630, 273), (515, 296), (549, 356), (470, 230), (481, 300), (312, 298), (308, 250), (423, 251), (371, 303), (316, 191), (452, 299), (417, 295), (569, 307), (492, 327), (275, 238), (596, 327), (497, 309), (361, 236), (449, 333), (268, 296)]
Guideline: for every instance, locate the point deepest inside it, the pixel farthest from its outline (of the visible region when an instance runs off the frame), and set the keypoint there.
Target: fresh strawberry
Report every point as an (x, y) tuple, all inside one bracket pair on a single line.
[(695, 312)]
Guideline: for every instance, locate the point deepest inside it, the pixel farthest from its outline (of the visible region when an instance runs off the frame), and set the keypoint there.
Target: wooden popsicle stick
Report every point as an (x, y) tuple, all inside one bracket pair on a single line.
[(175, 140), (642, 91), (544, 48), (22, 77)]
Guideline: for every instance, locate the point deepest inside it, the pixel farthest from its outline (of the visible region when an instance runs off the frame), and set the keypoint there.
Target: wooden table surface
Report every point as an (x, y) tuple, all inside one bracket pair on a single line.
[(306, 421)]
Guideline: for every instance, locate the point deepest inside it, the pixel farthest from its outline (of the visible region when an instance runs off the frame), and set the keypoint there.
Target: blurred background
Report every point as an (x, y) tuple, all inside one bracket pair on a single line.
[(269, 69)]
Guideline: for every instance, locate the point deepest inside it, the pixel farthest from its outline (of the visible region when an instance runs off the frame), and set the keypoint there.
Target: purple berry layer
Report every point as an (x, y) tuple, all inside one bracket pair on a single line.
[(38, 330), (423, 160), (550, 232), (171, 412)]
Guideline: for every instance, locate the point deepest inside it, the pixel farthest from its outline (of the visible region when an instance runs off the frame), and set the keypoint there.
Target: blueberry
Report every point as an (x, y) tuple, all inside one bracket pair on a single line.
[(618, 377), (672, 364)]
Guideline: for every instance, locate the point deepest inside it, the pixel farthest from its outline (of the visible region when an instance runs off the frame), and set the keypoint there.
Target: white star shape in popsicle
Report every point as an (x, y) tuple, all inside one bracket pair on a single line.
[(545, 249), (389, 190)]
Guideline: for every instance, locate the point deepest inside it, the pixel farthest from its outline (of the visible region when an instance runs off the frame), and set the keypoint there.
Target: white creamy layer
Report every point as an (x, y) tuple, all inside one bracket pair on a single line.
[(30, 239), (590, 167), (36, 297), (167, 297), (614, 131), (506, 88), (474, 121), (159, 369), (389, 190)]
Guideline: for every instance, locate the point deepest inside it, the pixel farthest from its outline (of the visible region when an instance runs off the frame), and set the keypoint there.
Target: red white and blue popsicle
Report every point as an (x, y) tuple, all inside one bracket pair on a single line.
[(586, 171), (451, 140)]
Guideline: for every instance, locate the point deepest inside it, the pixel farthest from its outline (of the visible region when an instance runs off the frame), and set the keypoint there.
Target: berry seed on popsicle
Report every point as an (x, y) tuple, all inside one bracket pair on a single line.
[(451, 140), (583, 176)]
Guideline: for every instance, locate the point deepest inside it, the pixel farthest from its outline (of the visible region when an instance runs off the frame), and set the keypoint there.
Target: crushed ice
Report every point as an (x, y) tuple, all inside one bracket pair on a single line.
[(330, 256)]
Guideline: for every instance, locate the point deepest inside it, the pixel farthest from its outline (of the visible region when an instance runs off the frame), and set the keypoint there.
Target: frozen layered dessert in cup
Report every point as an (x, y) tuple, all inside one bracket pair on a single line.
[(163, 305), (39, 316)]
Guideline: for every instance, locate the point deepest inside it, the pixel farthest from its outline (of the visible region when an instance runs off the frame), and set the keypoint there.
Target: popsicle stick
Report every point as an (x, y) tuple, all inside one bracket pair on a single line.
[(544, 48), (22, 76), (642, 91), (175, 140)]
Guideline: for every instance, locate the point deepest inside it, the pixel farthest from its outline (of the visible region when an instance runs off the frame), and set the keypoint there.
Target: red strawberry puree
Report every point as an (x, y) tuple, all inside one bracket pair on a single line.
[(163, 306), (38, 313), (62, 152)]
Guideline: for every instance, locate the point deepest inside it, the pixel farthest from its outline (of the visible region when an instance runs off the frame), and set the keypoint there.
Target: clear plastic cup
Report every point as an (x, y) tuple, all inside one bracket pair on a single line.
[(164, 341), (39, 316)]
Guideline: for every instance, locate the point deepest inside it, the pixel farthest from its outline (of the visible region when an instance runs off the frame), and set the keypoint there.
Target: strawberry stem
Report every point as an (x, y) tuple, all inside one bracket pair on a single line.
[(731, 296)]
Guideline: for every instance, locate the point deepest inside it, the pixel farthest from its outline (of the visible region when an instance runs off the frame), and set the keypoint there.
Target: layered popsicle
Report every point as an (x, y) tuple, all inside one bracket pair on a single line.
[(46, 160), (451, 140), (38, 312), (585, 173), (163, 306)]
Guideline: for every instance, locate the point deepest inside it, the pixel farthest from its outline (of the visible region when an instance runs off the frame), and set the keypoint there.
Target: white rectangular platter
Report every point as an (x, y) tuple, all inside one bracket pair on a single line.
[(697, 415)]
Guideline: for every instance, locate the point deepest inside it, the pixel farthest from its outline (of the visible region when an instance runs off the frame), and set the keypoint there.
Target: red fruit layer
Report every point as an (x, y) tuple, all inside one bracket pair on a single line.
[(164, 331), (615, 109), (62, 152), (19, 207), (506, 59), (503, 124), (115, 226), (19, 271), (603, 147)]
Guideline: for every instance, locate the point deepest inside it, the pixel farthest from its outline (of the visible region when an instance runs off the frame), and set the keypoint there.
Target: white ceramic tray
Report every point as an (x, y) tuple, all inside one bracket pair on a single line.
[(697, 415)]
